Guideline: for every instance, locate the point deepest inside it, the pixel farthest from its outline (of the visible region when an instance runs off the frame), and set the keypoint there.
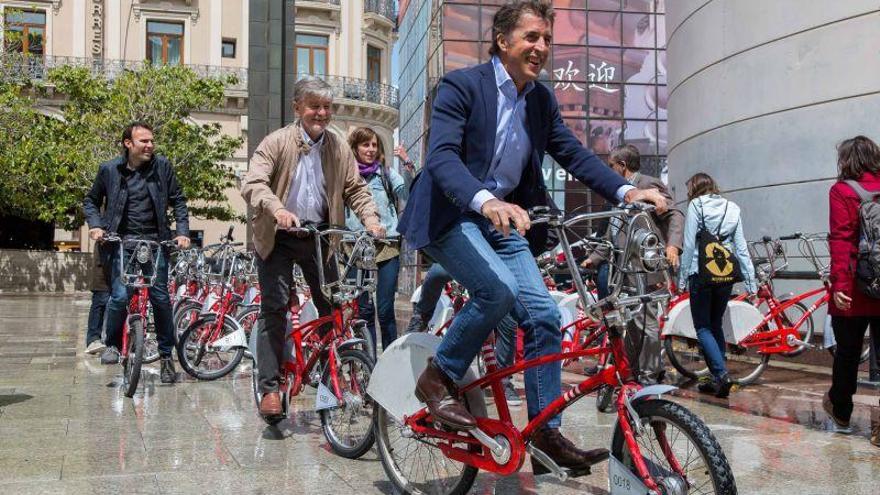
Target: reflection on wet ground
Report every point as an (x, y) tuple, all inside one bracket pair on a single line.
[(65, 427)]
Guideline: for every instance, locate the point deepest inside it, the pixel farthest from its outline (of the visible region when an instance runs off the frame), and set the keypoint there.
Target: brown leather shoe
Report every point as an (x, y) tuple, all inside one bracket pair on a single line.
[(270, 405), (564, 453), (829, 410), (438, 392)]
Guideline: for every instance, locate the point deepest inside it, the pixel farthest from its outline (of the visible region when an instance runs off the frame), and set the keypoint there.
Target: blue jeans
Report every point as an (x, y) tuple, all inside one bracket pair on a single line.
[(117, 307), (432, 288), (708, 304), (96, 315), (386, 289), (505, 341), (501, 276)]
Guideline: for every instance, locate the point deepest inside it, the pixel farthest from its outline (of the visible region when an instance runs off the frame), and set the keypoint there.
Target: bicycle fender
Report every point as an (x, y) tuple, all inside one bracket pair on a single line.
[(350, 344), (652, 390), (238, 338)]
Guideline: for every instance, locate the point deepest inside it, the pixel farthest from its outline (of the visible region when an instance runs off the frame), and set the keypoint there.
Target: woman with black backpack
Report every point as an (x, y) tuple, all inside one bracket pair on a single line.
[(855, 270), (388, 188), (715, 256)]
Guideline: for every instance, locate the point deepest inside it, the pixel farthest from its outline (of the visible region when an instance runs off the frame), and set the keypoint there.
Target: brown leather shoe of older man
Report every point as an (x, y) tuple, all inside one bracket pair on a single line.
[(564, 453), (438, 392), (270, 405)]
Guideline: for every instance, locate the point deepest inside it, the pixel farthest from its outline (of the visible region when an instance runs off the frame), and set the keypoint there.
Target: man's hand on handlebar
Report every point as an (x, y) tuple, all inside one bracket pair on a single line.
[(182, 242), (652, 196), (672, 257), (96, 234), (376, 230), (502, 214), (285, 219)]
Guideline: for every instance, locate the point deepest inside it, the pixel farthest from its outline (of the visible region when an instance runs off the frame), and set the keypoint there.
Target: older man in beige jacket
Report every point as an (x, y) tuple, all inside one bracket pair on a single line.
[(304, 172)]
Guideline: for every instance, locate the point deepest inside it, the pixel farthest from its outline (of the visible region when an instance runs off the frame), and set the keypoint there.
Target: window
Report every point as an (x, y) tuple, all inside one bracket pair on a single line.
[(25, 32), (374, 64), (164, 43), (227, 49), (311, 54)]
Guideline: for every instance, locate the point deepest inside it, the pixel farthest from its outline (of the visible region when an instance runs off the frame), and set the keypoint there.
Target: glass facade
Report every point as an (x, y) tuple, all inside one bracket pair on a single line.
[(607, 69)]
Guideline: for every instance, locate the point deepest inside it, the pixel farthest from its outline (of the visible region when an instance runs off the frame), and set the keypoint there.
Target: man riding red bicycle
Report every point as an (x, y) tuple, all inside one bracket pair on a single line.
[(135, 191), (490, 128)]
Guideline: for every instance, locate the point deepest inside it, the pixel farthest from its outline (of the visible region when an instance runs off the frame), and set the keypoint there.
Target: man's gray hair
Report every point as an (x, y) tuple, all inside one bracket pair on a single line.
[(311, 86)]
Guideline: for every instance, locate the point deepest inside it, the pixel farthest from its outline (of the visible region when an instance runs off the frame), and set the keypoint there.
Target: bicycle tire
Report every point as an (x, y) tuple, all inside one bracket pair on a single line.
[(131, 366), (682, 360), (186, 360), (361, 442), (659, 412), (461, 483), (184, 315)]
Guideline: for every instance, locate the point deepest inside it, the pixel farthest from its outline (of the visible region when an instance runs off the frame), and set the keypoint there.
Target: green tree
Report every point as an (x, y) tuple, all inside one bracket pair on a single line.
[(48, 164)]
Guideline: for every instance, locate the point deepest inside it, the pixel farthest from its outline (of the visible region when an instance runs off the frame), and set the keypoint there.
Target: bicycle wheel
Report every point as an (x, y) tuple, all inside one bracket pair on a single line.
[(184, 315), (131, 365), (790, 316), (685, 356), (349, 427), (414, 464), (359, 330), (674, 435), (198, 358)]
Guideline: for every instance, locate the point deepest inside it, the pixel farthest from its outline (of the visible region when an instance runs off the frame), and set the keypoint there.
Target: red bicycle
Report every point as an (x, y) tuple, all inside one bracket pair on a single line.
[(138, 260), (658, 446), (325, 353)]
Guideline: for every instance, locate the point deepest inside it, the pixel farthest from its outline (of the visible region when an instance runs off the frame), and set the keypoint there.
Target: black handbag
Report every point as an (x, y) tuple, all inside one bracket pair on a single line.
[(717, 264)]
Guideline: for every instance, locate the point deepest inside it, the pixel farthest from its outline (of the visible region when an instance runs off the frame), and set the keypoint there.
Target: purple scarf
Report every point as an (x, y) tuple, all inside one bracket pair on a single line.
[(368, 169)]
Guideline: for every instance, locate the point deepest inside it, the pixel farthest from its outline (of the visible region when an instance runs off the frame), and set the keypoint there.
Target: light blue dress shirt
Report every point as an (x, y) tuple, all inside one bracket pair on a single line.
[(513, 147)]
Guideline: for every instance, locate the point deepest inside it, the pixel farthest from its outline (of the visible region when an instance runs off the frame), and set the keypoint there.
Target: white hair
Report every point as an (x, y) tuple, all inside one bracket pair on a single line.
[(311, 86)]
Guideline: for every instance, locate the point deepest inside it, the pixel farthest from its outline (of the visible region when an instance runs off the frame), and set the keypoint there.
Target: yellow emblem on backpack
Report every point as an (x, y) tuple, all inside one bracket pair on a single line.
[(719, 264)]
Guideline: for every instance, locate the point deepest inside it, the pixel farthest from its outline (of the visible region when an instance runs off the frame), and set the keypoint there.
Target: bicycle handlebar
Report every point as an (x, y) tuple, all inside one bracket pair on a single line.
[(791, 237)]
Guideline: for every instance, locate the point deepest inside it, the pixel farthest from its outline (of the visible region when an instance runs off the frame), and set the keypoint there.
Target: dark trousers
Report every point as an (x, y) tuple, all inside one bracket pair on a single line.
[(708, 304), (276, 281), (849, 332), (386, 289), (96, 315), (432, 288), (120, 295)]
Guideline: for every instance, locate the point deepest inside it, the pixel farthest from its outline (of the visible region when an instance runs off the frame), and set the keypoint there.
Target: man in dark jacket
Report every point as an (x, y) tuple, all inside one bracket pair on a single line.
[(135, 190)]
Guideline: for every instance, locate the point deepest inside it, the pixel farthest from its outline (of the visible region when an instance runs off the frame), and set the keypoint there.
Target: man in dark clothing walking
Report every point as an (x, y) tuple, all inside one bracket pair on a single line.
[(135, 190)]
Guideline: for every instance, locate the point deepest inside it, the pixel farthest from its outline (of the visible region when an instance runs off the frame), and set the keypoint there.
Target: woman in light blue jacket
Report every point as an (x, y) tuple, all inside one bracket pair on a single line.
[(388, 188), (708, 303)]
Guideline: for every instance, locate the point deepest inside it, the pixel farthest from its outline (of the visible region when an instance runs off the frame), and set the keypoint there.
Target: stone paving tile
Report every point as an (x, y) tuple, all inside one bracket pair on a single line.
[(311, 478), (30, 466), (109, 485), (199, 458)]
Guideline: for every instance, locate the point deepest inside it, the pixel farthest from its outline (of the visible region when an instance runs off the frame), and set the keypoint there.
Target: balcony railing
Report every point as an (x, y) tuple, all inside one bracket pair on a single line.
[(362, 89), (385, 8), (36, 68)]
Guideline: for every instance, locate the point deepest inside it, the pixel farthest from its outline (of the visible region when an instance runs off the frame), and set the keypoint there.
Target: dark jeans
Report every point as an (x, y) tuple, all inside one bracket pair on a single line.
[(708, 304), (120, 295), (96, 315), (386, 289), (501, 277), (849, 331), (602, 280), (276, 281), (432, 288)]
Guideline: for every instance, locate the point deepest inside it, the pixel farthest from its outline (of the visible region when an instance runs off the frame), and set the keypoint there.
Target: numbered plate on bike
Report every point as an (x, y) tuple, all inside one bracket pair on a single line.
[(622, 481)]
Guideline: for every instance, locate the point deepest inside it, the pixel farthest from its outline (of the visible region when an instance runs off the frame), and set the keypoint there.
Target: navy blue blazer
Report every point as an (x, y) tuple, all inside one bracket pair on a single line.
[(461, 146)]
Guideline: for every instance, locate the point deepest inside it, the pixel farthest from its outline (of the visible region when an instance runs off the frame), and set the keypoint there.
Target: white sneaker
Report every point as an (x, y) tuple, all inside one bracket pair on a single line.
[(510, 394), (95, 347)]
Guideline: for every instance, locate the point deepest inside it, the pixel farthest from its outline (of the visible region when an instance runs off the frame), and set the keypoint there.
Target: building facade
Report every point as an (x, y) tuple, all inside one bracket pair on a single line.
[(209, 36), (760, 95), (349, 43), (607, 69)]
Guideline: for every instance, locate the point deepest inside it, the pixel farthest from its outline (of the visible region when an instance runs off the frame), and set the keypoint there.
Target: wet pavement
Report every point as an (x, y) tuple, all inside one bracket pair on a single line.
[(65, 427)]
